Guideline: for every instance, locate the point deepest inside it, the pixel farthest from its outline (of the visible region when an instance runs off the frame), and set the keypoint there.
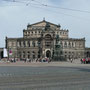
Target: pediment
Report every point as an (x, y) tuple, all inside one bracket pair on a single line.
[(43, 23)]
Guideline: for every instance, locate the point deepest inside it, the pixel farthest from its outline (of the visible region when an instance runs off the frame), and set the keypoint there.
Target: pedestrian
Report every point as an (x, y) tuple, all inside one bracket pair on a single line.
[(29, 60), (71, 60), (81, 61), (25, 60), (37, 60), (84, 61)]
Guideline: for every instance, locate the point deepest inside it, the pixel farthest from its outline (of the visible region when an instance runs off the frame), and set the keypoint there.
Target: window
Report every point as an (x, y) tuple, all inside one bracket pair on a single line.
[(29, 33), (39, 31), (69, 52), (33, 52), (28, 53), (65, 52), (69, 44), (38, 43), (47, 44), (35, 32), (72, 44), (65, 56), (23, 54), (61, 52), (60, 33), (20, 43), (65, 45), (48, 40)]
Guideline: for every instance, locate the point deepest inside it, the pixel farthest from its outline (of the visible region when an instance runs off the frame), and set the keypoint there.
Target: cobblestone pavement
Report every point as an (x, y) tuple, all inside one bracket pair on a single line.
[(44, 78)]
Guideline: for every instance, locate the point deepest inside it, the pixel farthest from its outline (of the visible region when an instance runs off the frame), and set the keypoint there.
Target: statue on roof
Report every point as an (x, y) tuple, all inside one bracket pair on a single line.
[(47, 26), (59, 25), (43, 18), (28, 25)]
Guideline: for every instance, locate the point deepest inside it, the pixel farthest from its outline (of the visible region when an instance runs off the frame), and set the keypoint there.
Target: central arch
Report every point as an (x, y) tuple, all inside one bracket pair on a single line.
[(48, 53)]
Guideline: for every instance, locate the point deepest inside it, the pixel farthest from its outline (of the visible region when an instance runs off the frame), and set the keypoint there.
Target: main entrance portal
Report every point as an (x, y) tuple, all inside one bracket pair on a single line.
[(48, 54)]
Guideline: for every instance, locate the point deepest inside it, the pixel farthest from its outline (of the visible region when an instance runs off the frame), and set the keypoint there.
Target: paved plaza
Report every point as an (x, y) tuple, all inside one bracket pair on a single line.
[(44, 76)]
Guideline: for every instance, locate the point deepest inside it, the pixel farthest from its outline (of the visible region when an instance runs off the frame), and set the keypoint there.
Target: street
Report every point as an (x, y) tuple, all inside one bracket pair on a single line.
[(44, 78)]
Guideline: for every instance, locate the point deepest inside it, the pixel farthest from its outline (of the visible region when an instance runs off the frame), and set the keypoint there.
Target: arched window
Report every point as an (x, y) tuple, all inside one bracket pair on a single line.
[(48, 36), (33, 54), (28, 54), (65, 52)]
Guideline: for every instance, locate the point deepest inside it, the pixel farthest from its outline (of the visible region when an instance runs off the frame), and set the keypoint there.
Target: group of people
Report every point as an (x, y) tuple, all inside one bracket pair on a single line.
[(13, 60), (85, 60), (71, 60)]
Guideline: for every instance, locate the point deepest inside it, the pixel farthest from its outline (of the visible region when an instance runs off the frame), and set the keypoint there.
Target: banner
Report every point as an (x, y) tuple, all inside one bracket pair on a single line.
[(5, 52), (10, 52)]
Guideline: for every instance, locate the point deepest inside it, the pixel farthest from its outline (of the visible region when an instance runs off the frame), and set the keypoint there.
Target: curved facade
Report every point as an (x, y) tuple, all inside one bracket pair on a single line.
[(39, 41)]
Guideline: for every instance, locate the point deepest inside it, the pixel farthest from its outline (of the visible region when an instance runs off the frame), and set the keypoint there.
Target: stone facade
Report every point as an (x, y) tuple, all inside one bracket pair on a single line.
[(39, 41)]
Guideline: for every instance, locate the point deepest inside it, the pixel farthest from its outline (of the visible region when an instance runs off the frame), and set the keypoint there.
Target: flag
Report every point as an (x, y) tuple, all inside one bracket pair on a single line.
[(10, 52), (5, 52)]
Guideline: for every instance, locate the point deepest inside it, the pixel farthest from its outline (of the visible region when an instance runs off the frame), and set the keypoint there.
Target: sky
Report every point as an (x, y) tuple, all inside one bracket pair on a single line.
[(73, 15)]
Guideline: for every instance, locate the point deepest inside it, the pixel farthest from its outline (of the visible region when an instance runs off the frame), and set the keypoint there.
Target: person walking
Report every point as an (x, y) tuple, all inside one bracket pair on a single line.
[(71, 60), (81, 61)]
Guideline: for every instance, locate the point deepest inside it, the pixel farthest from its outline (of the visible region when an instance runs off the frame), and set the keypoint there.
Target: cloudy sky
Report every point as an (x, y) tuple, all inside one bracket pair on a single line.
[(73, 15)]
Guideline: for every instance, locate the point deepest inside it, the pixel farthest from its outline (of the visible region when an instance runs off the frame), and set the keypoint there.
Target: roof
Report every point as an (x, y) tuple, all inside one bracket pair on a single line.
[(43, 23)]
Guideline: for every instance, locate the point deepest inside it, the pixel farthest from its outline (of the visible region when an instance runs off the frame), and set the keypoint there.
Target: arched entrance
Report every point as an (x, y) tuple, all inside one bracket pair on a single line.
[(48, 54)]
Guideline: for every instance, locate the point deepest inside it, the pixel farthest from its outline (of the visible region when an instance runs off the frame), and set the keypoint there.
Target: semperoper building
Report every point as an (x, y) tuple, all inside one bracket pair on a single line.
[(40, 39)]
